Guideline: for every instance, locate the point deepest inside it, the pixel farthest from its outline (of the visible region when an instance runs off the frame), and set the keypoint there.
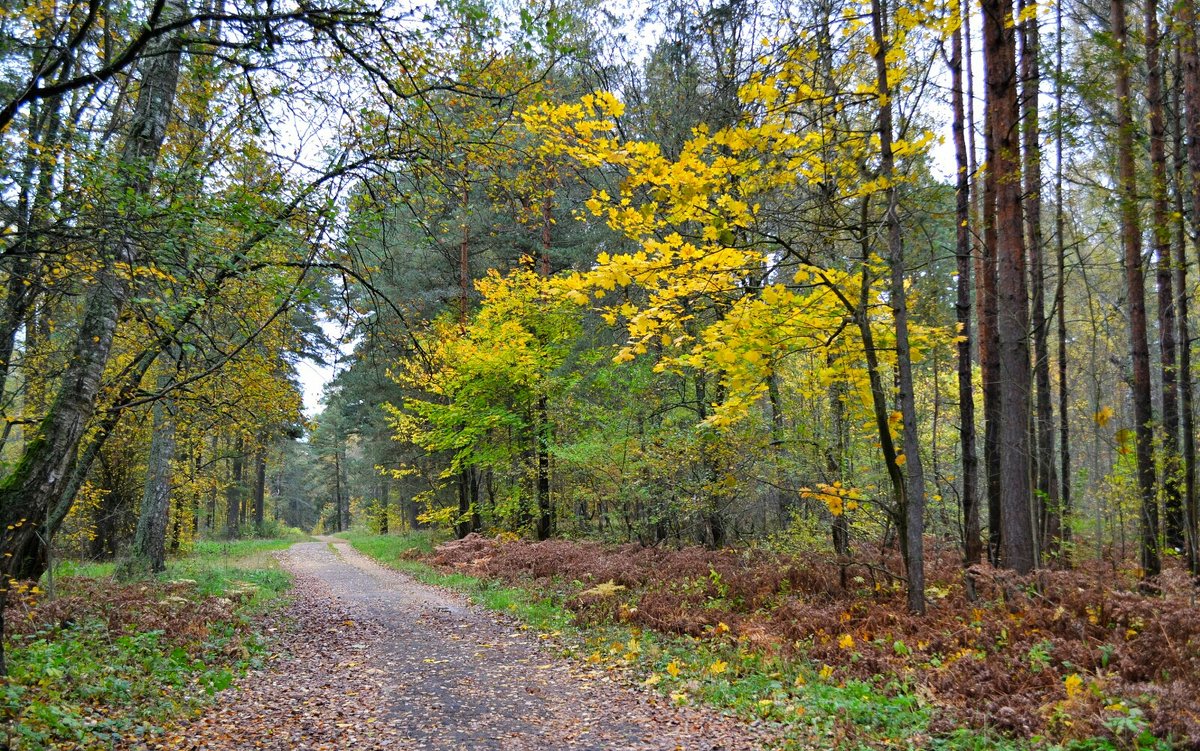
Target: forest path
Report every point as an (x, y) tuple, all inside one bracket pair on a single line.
[(381, 661)]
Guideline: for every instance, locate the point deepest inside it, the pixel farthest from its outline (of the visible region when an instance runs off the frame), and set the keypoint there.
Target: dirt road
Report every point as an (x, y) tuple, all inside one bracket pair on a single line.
[(376, 660)]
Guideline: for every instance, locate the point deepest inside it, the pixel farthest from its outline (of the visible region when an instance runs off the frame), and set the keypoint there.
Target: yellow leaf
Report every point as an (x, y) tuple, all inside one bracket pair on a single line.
[(1073, 685)]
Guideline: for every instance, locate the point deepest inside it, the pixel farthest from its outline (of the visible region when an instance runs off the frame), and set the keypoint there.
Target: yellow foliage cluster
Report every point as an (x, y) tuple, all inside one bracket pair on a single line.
[(837, 497), (707, 298)]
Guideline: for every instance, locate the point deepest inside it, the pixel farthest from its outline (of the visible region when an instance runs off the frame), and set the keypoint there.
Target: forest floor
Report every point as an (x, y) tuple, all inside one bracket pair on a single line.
[(380, 661), (828, 655), (369, 641)]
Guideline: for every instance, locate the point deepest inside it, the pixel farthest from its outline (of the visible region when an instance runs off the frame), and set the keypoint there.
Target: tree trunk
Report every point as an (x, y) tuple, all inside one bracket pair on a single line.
[(260, 489), (385, 492), (972, 544), (545, 520), (914, 509), (410, 514), (233, 493), (835, 456), (1131, 243), (212, 493), (343, 484), (989, 348), (1049, 521), (879, 405), (149, 542), (44, 469), (466, 503), (1164, 278), (1186, 410), (984, 206), (464, 259), (1012, 299), (1191, 76), (1064, 429)]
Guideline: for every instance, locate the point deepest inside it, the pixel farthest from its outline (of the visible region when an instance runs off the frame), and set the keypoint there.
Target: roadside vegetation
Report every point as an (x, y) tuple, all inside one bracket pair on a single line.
[(1059, 662), (94, 661)]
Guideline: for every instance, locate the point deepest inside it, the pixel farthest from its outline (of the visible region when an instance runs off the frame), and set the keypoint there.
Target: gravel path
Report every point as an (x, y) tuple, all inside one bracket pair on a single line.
[(380, 661)]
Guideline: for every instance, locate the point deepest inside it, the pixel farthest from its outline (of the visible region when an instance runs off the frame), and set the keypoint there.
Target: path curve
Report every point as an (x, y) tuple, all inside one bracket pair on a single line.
[(381, 661)]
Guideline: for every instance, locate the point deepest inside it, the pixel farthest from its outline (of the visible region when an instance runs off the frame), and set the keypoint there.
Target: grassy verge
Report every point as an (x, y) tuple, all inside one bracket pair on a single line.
[(100, 661), (809, 702)]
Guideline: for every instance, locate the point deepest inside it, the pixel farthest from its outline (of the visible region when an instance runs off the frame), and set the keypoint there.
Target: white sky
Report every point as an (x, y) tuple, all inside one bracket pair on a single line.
[(313, 379)]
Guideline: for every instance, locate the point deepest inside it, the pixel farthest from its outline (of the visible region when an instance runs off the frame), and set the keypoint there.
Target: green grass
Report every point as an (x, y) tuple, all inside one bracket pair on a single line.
[(134, 657), (809, 703), (389, 548), (534, 610), (219, 567)]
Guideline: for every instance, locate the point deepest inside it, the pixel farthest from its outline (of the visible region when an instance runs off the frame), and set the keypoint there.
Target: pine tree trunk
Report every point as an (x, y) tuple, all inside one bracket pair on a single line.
[(1180, 287), (1012, 298), (1164, 278), (1135, 284), (1049, 521), (1064, 430), (1190, 54), (989, 349), (972, 544)]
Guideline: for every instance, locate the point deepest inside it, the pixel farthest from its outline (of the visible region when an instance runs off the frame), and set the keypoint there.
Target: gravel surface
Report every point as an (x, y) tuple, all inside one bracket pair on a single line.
[(376, 660)]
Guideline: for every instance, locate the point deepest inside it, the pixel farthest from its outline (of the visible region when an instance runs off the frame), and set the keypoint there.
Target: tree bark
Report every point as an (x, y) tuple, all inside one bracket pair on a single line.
[(1012, 304), (914, 509), (233, 493), (385, 502), (1135, 284), (545, 520), (260, 489), (1064, 430), (972, 544), (1164, 278), (1191, 76), (835, 457), (149, 542), (989, 348), (1049, 518)]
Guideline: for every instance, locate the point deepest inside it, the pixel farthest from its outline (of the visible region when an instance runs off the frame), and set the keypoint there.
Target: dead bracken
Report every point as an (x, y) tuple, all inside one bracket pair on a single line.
[(1004, 661)]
